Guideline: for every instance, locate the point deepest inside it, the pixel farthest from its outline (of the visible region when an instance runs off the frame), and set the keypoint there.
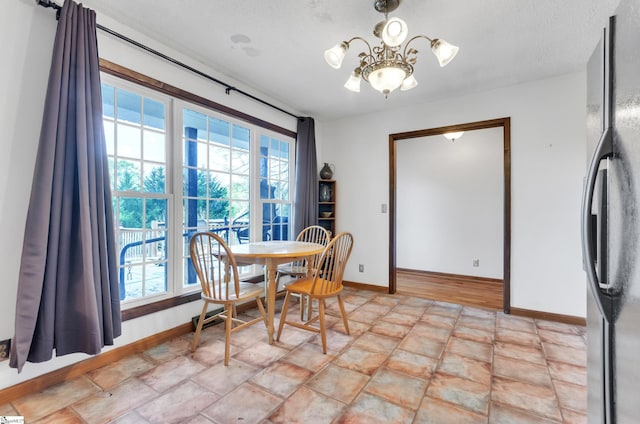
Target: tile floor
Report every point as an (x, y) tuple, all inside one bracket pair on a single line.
[(407, 360)]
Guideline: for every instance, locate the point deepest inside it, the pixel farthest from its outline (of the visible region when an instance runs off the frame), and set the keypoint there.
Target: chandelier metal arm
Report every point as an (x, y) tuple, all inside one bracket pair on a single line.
[(363, 40), (406, 46)]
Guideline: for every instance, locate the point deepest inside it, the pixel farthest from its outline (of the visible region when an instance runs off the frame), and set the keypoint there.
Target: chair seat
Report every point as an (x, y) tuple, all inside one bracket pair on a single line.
[(247, 291), (303, 286)]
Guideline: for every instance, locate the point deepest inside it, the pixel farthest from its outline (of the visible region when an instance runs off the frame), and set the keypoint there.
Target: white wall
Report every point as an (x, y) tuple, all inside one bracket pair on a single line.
[(28, 31), (547, 165), (449, 203)]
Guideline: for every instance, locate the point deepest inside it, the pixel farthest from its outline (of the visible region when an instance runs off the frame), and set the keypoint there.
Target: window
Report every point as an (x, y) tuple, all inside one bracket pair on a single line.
[(177, 168)]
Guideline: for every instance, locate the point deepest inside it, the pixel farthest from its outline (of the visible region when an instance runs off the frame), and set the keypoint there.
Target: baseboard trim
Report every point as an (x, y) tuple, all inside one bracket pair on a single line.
[(363, 286), (549, 316), (443, 276), (44, 381)]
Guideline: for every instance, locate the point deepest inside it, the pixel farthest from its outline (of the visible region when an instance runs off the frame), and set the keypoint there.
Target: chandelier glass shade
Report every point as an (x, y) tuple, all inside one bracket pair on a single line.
[(388, 66)]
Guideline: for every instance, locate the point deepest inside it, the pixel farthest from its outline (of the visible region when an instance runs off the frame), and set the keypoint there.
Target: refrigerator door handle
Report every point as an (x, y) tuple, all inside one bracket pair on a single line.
[(604, 150)]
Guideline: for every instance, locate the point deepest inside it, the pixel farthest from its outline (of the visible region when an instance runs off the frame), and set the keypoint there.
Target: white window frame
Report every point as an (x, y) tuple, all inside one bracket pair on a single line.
[(173, 180)]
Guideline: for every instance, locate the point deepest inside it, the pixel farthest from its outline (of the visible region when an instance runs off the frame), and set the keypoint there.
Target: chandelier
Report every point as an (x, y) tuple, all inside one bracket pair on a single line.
[(388, 66)]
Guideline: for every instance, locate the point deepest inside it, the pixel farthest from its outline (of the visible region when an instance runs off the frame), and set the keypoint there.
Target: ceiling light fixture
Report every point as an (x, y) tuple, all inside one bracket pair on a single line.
[(453, 136), (384, 66)]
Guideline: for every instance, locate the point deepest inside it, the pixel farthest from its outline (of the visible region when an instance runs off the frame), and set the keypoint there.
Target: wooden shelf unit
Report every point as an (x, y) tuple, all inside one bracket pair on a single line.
[(327, 206)]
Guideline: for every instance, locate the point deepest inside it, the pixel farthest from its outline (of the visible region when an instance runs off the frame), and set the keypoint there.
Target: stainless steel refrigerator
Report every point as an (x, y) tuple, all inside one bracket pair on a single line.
[(611, 223)]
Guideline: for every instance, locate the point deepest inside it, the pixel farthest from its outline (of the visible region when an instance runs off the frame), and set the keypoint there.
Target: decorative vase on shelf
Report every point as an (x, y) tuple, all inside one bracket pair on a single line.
[(325, 193), (327, 171)]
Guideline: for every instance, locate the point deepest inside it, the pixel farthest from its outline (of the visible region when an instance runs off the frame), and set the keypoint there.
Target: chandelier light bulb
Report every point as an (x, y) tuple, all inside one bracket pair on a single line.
[(335, 55), (387, 79), (408, 83), (394, 32), (444, 51), (353, 83)]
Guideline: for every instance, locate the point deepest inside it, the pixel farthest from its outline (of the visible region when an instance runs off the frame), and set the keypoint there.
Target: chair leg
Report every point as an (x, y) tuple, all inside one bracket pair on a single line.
[(227, 332), (309, 307), (323, 331), (283, 315), (262, 311), (199, 327), (344, 314)]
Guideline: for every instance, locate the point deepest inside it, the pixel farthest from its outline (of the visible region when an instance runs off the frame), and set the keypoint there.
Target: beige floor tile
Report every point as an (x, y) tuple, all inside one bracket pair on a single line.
[(474, 334), (62, 416), (222, 379), (247, 404), (505, 414), (107, 406), (438, 320), (436, 411), (463, 367), (470, 349), (282, 378), (537, 400), (517, 337), (565, 354), (171, 373), (117, 372), (563, 339), (571, 396), (376, 343), (398, 388), (511, 322), (372, 409), (361, 360), (466, 393), (338, 383), (307, 406), (178, 404), (38, 405), (531, 354), (521, 370), (390, 329), (412, 364), (568, 373), (310, 356)]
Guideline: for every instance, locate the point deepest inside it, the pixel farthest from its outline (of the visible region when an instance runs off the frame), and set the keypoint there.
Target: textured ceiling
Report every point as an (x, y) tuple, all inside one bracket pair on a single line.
[(276, 46)]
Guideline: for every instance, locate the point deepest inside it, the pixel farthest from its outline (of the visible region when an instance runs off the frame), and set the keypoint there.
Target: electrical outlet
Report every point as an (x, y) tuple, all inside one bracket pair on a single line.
[(361, 268), (476, 262), (5, 348)]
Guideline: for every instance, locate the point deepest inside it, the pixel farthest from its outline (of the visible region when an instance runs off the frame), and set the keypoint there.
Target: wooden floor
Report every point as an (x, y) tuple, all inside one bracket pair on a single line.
[(458, 289)]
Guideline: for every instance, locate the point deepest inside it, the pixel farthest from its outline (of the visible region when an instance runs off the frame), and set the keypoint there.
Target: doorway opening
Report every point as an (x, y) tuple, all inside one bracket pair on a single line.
[(470, 281)]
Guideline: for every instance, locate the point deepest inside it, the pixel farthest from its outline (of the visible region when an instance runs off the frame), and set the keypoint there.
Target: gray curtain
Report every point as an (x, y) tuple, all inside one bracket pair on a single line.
[(68, 283), (305, 197)]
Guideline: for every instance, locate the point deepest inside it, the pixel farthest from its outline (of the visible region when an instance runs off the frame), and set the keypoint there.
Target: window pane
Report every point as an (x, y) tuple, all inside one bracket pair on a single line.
[(240, 187), (241, 137), (128, 106), (154, 178), (108, 93), (154, 146), (240, 162), (156, 216), (219, 158), (130, 213), (194, 125), (128, 176), (128, 141), (219, 131), (153, 114)]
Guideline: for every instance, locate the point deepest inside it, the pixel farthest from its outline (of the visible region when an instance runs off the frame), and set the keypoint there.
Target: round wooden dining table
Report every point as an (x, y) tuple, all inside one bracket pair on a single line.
[(271, 254)]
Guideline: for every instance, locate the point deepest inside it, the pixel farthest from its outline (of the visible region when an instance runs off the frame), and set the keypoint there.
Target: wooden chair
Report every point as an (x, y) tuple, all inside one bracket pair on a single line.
[(325, 282), (217, 271), (304, 267)]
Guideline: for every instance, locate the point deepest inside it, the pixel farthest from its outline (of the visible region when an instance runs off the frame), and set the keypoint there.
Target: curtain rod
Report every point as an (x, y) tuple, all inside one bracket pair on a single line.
[(228, 88)]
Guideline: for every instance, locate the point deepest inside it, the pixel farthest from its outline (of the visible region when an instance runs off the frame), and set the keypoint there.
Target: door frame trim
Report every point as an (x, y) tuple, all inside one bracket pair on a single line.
[(505, 123)]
